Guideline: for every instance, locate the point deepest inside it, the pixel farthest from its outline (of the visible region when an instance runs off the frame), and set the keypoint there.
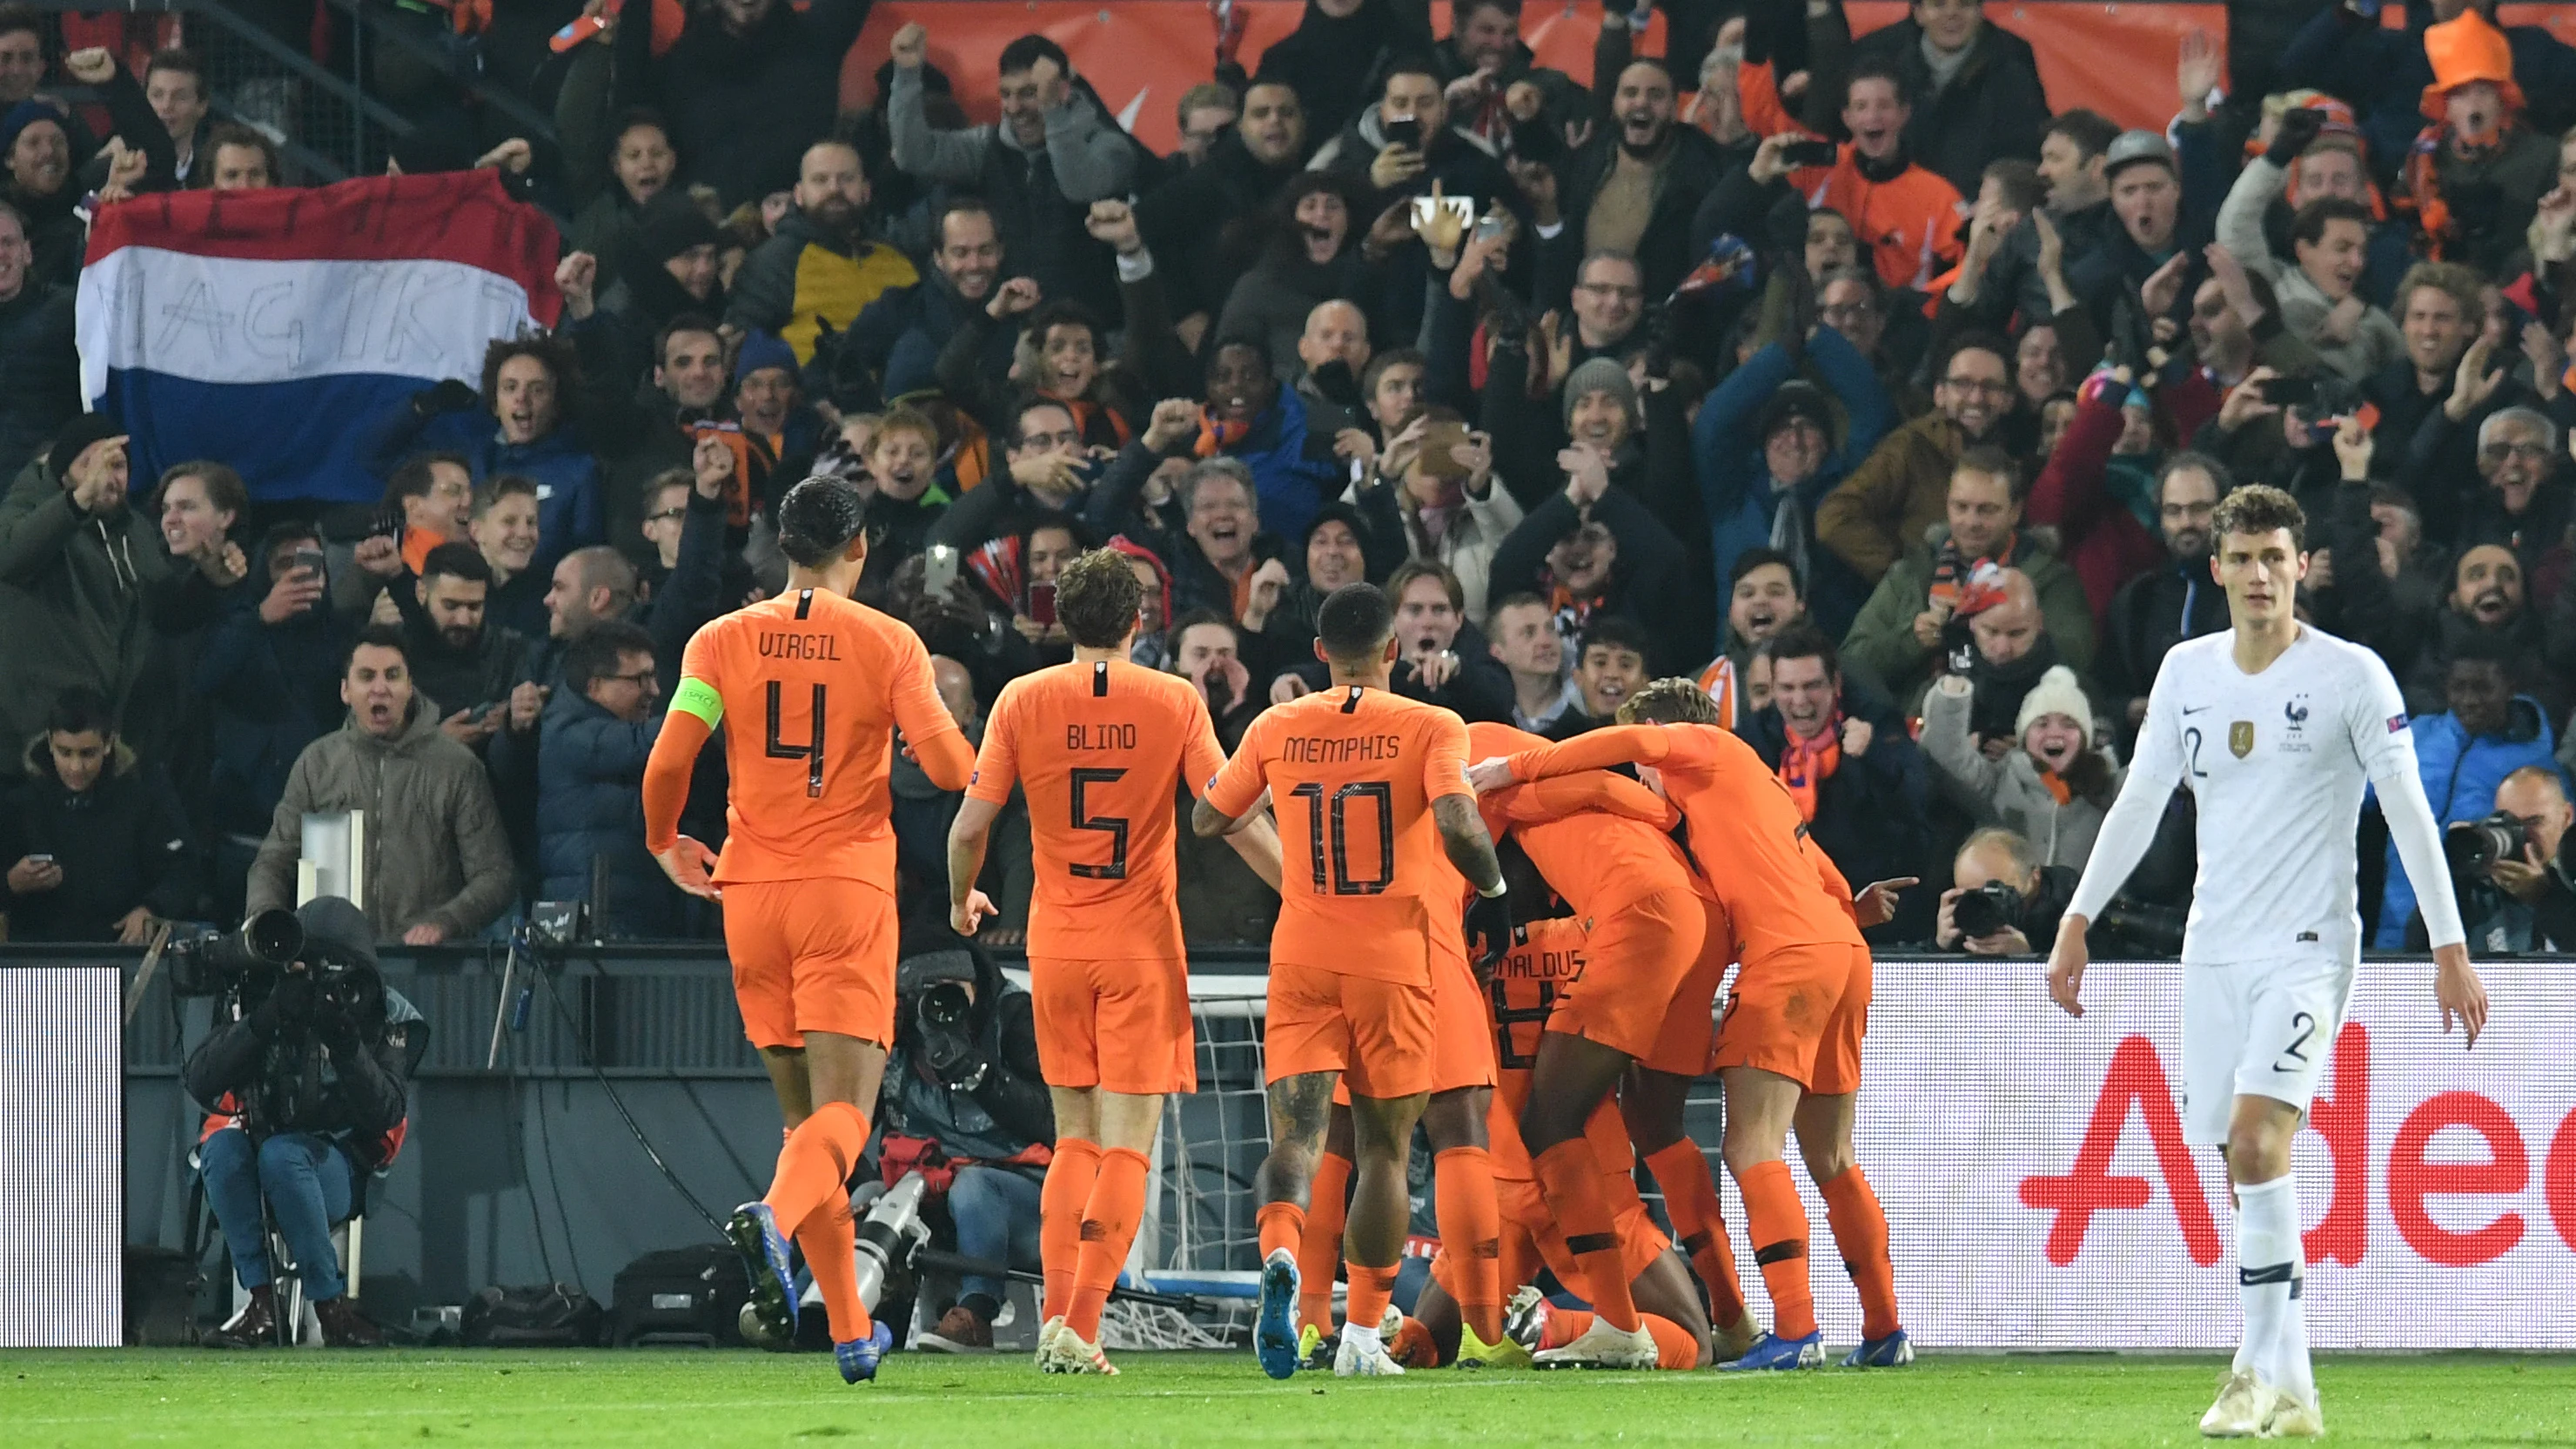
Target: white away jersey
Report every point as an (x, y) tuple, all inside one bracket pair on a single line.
[(2276, 763)]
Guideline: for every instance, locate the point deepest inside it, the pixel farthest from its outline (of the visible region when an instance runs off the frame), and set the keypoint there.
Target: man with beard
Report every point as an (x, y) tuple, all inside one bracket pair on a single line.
[(1872, 518), (79, 566), (893, 349), (1053, 153), (463, 663), (2486, 732), (2487, 610), (744, 84), (2161, 608), (1637, 184), (1910, 626), (1766, 597), (820, 271), (1337, 45), (1188, 219)]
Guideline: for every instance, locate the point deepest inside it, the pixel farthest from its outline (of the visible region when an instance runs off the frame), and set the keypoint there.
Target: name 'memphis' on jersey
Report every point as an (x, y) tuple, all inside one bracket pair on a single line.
[(2277, 764)]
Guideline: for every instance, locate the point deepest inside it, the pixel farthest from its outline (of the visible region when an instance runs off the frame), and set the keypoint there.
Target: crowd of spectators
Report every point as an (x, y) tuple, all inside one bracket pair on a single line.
[(1861, 378)]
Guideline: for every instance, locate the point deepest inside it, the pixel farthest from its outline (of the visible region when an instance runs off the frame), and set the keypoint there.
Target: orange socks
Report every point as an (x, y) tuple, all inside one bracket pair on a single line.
[(1319, 1247), (1060, 1207), (1371, 1288), (1860, 1232), (1778, 1223), (1280, 1225), (1676, 1347), (1690, 1195), (1471, 1229), (810, 1196), (1570, 1180), (1108, 1227)]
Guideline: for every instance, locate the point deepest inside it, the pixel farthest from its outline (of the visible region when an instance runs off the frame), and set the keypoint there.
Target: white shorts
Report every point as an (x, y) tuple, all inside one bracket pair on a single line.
[(2256, 1029)]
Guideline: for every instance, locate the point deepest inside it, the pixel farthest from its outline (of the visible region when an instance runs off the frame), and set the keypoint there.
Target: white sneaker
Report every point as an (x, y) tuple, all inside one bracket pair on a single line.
[(2295, 1419), (1047, 1360), (1603, 1347), (2244, 1406), (1074, 1356), (1355, 1360)]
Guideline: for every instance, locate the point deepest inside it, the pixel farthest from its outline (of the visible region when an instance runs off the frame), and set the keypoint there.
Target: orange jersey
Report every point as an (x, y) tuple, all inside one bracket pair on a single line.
[(1352, 773), (1587, 833), (814, 686), (1100, 749), (1909, 225), (1546, 958), (1744, 829)]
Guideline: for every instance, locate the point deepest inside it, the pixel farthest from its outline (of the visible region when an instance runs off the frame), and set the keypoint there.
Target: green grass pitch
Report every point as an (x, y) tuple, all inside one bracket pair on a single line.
[(639, 1398)]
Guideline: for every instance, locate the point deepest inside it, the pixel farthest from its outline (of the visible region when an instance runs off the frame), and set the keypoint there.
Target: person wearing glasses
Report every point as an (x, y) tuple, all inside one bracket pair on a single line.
[(1874, 516), (600, 729)]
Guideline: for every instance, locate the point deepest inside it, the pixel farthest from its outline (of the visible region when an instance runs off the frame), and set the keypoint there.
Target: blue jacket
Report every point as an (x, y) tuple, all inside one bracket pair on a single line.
[(1292, 486), (2460, 775), (1735, 484), (571, 494), (590, 808)]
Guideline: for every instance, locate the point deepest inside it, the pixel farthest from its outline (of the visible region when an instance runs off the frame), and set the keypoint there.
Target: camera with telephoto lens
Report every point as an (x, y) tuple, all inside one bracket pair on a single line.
[(2142, 927), (947, 1038), (1988, 910), (2475, 846), (213, 962)]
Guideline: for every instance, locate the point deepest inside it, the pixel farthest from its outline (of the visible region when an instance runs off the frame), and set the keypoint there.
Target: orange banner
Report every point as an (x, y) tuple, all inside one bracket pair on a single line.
[(1140, 55)]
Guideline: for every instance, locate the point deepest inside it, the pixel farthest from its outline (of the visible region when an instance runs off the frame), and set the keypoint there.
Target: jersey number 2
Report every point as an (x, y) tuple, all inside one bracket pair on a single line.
[(1339, 882), (810, 752), (1083, 819)]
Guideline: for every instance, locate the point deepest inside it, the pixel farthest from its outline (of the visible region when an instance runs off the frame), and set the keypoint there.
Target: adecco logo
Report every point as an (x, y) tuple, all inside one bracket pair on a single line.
[(2135, 1085)]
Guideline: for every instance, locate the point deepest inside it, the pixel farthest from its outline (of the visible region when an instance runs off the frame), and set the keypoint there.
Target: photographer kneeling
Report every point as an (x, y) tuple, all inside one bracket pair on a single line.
[(964, 1104), (2516, 881), (304, 1083)]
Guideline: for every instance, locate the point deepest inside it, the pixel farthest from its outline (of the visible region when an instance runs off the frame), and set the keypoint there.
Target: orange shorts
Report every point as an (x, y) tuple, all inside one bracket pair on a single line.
[(1681, 1049), (1800, 1011), (1635, 960), (812, 955), (1462, 1030), (1378, 1034), (1138, 1008), (1530, 1229)]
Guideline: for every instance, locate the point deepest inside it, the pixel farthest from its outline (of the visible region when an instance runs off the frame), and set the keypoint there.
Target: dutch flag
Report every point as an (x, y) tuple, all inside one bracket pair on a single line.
[(269, 329)]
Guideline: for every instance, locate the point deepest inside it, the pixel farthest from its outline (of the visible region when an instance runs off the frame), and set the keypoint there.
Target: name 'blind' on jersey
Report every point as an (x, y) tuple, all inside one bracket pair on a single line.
[(1101, 752), (2276, 763), (1352, 773), (810, 687)]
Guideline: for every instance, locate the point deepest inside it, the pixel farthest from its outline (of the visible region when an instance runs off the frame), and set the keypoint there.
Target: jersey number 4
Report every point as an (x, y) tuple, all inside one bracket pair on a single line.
[(811, 752), (1083, 819), (1339, 881)]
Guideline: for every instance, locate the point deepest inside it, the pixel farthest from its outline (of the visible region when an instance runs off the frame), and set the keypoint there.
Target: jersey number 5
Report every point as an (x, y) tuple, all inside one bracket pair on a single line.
[(810, 752), (1340, 882), (1083, 819)]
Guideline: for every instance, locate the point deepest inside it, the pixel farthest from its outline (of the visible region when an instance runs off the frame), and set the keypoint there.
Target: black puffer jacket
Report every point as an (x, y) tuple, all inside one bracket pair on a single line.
[(1994, 107), (121, 843)]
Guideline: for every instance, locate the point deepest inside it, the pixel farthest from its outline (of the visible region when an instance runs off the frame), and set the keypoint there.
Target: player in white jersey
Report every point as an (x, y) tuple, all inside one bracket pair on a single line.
[(2275, 728)]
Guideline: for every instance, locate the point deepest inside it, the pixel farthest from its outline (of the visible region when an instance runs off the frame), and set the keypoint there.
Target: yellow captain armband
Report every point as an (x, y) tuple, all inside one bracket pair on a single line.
[(697, 697)]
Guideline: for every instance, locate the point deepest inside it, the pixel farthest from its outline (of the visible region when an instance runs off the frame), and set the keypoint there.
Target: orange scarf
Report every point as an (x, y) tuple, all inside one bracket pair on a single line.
[(1215, 436), (1808, 764)]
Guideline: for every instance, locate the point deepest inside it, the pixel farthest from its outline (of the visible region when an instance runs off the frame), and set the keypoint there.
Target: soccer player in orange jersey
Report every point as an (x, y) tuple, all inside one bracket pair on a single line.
[(1548, 959), (1643, 1004), (1101, 747), (815, 686), (1370, 791), (1789, 1051)]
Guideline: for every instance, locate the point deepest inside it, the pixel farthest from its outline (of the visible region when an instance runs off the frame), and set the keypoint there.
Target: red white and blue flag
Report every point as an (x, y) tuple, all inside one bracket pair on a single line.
[(276, 330)]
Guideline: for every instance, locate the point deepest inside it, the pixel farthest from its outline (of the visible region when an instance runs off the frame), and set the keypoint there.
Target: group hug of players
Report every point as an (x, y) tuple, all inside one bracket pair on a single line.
[(1542, 1056)]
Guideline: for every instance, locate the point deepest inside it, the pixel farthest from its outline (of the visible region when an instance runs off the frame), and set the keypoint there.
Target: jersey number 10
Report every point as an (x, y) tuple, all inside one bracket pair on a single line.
[(1339, 881)]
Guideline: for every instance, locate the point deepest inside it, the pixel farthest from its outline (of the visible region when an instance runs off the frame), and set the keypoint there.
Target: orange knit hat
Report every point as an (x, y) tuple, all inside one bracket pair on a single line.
[(2463, 51)]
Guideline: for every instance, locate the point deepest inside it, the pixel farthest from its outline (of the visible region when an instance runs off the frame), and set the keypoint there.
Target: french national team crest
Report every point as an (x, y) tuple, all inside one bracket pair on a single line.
[(2240, 738)]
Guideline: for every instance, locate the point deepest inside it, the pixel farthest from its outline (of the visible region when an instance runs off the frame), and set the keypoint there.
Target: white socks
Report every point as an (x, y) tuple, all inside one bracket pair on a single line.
[(2269, 1277), (1362, 1339)]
